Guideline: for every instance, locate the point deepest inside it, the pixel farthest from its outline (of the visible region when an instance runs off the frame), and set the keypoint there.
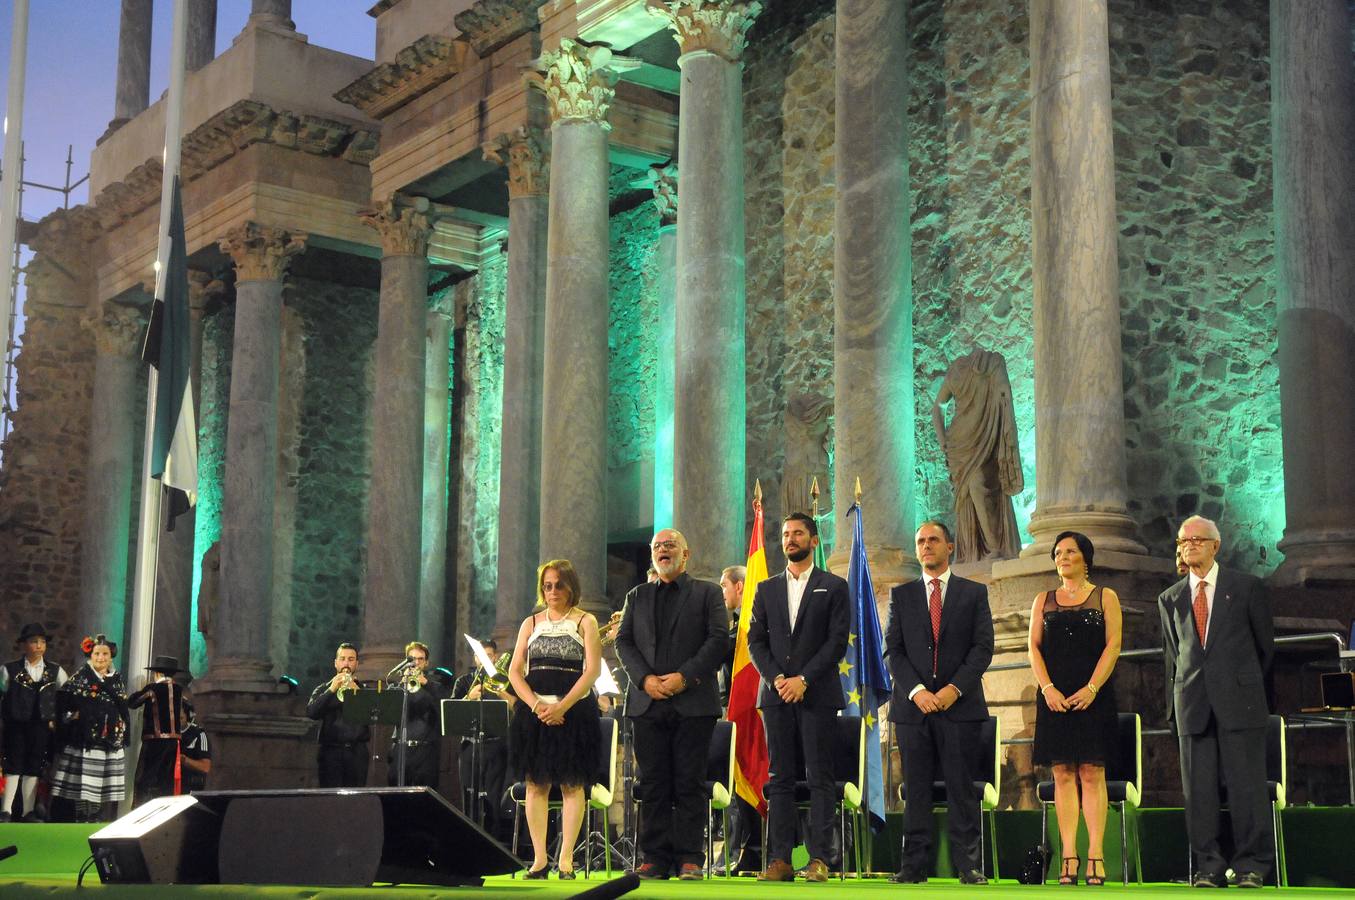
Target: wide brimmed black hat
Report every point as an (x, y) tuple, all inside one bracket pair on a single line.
[(32, 630), (169, 665)]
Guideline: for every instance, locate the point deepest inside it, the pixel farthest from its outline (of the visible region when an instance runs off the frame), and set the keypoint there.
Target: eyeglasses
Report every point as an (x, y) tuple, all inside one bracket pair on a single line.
[(664, 545), (1193, 540)]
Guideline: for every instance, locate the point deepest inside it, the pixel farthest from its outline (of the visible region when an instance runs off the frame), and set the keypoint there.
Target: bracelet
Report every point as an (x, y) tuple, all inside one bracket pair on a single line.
[(538, 702), (1046, 687), (1092, 687)]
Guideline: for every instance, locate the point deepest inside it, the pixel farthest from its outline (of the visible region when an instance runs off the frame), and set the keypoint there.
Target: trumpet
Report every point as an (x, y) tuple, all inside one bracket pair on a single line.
[(498, 682), (347, 685)]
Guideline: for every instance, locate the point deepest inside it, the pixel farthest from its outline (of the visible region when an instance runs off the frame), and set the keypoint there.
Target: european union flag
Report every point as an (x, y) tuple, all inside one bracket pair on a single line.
[(865, 677)]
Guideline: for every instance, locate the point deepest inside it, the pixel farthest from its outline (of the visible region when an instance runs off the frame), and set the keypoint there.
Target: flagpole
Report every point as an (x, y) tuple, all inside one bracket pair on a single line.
[(867, 834), (13, 166), (148, 526)]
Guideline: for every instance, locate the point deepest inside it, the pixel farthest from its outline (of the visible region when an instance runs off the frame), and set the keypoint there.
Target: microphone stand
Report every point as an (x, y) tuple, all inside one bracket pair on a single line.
[(404, 722)]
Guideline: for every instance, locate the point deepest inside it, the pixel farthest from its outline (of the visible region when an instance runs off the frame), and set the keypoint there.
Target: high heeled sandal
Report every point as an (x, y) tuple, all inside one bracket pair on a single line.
[(1066, 877), (538, 874), (1092, 879)]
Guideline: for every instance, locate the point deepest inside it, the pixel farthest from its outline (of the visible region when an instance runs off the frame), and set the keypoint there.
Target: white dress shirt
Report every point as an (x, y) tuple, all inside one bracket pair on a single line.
[(795, 592)]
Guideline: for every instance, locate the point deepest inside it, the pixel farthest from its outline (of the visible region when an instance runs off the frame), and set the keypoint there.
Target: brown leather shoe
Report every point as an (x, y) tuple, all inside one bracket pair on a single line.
[(817, 870), (777, 870)]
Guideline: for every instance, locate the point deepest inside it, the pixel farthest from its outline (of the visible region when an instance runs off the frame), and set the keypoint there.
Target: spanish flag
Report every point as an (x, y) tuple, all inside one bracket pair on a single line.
[(751, 763)]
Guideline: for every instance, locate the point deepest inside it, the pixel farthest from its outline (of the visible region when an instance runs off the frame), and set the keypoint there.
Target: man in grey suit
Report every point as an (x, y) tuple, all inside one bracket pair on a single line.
[(673, 636), (1217, 642)]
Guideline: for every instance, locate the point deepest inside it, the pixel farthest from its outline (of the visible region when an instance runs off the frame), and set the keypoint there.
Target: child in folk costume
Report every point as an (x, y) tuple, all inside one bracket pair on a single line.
[(159, 770), (29, 687)]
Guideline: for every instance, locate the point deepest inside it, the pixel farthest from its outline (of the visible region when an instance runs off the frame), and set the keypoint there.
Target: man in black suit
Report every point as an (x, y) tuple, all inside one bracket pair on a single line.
[(1217, 641), (797, 636), (940, 642), (673, 637), (342, 755)]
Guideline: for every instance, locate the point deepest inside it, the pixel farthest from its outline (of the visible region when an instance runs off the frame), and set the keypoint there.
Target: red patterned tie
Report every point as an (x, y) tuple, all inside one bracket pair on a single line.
[(1201, 608), (934, 603)]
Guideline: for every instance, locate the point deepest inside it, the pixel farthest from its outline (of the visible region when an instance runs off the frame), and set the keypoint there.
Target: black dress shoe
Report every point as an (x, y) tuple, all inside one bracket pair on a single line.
[(566, 875), (537, 874), (973, 876), (1208, 880), (651, 871), (907, 876), (1250, 880)]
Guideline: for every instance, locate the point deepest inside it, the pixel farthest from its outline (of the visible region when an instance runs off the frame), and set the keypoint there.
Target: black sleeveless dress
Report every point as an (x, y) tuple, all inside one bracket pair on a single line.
[(1074, 638), (568, 754)]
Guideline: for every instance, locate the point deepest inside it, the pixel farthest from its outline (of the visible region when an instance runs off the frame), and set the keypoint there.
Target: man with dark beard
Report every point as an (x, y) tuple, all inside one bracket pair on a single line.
[(342, 756), (797, 635), (674, 635)]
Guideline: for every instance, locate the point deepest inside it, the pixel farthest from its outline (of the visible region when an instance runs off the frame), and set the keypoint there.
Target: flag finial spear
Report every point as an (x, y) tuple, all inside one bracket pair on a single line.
[(858, 488), (757, 489), (814, 497)]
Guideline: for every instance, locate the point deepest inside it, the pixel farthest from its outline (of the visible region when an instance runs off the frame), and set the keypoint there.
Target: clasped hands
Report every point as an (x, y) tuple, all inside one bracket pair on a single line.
[(792, 689), (551, 713), (665, 687), (940, 701), (1080, 700)]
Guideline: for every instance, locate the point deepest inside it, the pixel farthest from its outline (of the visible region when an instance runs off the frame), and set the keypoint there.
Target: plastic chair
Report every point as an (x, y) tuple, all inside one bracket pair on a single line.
[(719, 783)]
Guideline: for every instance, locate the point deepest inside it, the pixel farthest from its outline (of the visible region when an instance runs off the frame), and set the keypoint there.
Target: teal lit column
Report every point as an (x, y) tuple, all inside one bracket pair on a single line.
[(664, 179), (1313, 139), (526, 154), (710, 408), (872, 288), (436, 453)]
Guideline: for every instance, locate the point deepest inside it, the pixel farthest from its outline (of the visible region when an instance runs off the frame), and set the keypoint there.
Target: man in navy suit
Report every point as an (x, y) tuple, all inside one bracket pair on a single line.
[(940, 642), (796, 637), (1218, 639)]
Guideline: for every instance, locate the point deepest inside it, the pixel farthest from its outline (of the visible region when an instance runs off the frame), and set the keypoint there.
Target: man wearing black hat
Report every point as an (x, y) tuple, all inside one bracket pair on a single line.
[(28, 711), (160, 769)]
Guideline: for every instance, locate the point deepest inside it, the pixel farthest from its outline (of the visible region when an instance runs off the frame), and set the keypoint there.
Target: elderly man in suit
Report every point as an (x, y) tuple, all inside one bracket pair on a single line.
[(940, 641), (797, 636), (673, 637), (1217, 641)]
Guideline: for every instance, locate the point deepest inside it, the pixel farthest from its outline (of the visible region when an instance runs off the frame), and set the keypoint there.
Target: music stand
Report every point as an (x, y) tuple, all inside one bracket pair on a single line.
[(370, 707), (475, 720)]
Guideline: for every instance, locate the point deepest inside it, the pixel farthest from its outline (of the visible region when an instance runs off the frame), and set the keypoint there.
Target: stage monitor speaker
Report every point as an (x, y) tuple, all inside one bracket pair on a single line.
[(170, 840), (351, 837)]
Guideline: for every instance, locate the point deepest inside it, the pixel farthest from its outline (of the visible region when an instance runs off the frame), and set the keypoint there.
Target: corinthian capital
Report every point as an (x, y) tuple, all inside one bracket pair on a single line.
[(118, 330), (715, 26), (527, 157), (261, 252), (405, 224), (578, 80), (663, 179)]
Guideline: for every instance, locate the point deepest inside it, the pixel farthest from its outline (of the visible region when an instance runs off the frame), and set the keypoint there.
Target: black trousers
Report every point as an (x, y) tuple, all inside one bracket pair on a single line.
[(938, 743), (342, 765), (793, 728), (1240, 758), (670, 750), (421, 765)]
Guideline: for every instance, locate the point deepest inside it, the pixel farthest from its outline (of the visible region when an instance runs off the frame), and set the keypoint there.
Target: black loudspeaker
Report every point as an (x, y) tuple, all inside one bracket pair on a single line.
[(315, 837), (168, 840)]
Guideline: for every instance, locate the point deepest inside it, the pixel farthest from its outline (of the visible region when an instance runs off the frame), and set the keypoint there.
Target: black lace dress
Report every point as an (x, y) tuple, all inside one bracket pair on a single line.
[(1074, 638), (568, 754)]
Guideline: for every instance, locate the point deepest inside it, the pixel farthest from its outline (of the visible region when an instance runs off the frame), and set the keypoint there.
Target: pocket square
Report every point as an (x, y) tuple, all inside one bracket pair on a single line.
[(820, 590)]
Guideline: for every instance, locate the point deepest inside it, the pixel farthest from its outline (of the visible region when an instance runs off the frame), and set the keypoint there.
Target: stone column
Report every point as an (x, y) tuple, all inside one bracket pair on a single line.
[(577, 81), (526, 154), (1079, 393), (118, 331), (709, 408), (173, 625), (1313, 138), (664, 179), (133, 90), (436, 449), (391, 598), (201, 47), (872, 290), (272, 12), (261, 255)]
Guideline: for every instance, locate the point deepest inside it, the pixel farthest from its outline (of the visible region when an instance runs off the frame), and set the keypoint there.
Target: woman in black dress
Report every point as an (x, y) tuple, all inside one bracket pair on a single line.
[(555, 739), (89, 777), (1074, 643)]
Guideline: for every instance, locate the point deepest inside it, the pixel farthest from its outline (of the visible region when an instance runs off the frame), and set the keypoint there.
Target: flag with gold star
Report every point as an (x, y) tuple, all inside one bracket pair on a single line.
[(865, 677)]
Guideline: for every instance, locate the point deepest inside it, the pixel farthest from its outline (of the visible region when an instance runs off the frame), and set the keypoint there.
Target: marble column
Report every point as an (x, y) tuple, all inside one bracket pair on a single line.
[(1313, 139), (243, 659), (1079, 394), (201, 47), (394, 532), (436, 450), (577, 81), (118, 331), (664, 180), (133, 89), (709, 407), (527, 155), (872, 289), (272, 12), (173, 623)]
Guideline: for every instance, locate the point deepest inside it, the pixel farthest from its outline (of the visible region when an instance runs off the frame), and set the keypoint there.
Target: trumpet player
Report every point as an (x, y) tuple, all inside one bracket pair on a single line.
[(342, 754), (423, 732)]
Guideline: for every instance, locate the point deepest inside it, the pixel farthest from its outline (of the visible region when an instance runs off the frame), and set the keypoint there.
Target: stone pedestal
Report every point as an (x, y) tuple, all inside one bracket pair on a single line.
[(665, 181), (709, 409), (527, 157), (395, 500), (117, 331), (1313, 138), (578, 86), (436, 449), (243, 661), (872, 291), (1079, 393), (132, 90), (259, 740)]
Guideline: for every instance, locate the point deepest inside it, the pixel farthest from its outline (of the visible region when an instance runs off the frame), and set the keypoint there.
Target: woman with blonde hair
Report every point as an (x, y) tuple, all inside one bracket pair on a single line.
[(555, 739)]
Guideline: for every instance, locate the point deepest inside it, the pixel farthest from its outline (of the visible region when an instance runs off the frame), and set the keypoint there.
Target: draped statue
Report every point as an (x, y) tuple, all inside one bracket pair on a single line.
[(982, 454)]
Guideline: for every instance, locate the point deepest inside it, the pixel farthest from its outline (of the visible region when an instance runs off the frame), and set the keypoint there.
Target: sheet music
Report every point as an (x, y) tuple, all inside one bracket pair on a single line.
[(606, 683), (481, 655)]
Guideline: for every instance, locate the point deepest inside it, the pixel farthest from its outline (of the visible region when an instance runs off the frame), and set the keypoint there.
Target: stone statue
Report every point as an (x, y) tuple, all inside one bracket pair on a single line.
[(806, 421), (982, 455), (209, 597)]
